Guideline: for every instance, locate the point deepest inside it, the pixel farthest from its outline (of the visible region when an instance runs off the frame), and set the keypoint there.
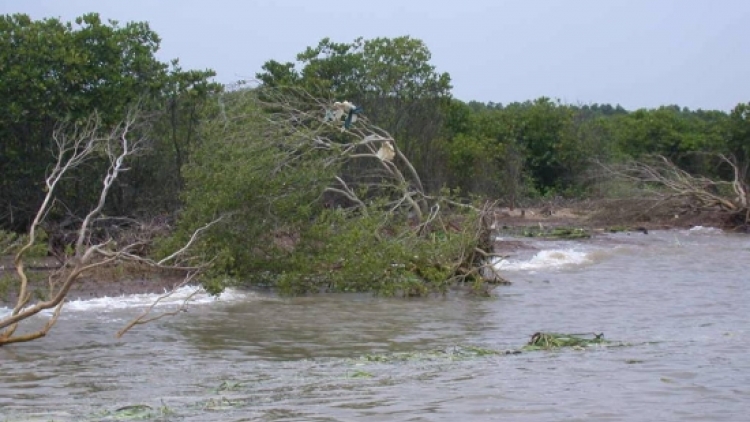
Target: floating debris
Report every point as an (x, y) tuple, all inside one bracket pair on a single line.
[(539, 341), (222, 403), (229, 386), (131, 412), (343, 109), (451, 353), (359, 374), (386, 151), (547, 341)]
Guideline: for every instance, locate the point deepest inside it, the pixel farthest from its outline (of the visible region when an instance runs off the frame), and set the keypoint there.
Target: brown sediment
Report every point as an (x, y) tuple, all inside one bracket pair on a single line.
[(593, 218), (601, 216), (111, 281)]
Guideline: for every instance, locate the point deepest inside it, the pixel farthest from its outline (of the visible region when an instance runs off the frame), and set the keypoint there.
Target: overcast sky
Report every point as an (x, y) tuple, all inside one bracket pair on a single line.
[(637, 53)]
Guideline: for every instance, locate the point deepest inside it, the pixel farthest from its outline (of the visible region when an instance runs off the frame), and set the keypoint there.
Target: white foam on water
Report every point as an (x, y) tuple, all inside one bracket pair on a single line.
[(143, 300), (705, 230), (110, 303), (552, 258)]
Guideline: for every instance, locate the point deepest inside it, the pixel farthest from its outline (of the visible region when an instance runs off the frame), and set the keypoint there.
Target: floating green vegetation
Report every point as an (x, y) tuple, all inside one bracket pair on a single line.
[(222, 403), (542, 232), (135, 412), (547, 341), (451, 354), (228, 386), (568, 233), (539, 341), (359, 374)]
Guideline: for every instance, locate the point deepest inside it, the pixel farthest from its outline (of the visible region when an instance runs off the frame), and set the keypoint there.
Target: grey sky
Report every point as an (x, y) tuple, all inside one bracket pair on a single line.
[(637, 53)]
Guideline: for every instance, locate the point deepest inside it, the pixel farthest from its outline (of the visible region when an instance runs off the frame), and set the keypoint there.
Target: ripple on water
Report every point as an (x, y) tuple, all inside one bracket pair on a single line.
[(681, 298)]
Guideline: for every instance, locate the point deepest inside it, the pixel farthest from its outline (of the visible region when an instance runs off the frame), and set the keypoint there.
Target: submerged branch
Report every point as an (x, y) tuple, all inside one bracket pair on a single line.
[(145, 317)]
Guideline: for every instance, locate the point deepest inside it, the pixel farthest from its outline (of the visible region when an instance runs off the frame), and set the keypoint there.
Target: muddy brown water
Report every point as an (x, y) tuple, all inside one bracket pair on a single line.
[(681, 299)]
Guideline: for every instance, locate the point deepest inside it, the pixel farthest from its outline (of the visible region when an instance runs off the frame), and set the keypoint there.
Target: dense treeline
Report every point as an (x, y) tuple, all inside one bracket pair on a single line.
[(543, 147), (53, 73), (206, 158)]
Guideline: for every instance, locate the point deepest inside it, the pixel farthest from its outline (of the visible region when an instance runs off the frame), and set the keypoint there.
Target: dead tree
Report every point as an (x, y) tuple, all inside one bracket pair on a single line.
[(667, 182), (74, 145)]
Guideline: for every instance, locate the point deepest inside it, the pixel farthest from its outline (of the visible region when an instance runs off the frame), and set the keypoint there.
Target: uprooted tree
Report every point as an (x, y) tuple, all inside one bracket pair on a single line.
[(661, 183), (75, 145), (314, 203)]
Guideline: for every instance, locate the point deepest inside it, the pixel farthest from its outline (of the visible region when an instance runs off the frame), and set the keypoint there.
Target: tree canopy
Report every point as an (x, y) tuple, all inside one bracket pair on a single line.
[(53, 72), (375, 68)]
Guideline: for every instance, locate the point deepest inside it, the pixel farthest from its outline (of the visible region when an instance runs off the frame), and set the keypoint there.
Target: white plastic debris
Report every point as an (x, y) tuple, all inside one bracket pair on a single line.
[(386, 151), (343, 109)]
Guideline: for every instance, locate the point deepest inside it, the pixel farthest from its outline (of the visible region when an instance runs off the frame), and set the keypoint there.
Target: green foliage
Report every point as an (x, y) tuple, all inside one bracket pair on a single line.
[(53, 69), (266, 177), (738, 135), (539, 341), (359, 374), (675, 133), (52, 72), (554, 145), (514, 145), (380, 67), (377, 252), (259, 179), (8, 282), (156, 180), (392, 78), (221, 155), (11, 243)]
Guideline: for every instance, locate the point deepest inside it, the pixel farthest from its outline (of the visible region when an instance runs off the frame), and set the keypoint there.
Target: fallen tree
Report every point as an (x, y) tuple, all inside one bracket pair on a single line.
[(74, 146), (318, 198), (660, 184)]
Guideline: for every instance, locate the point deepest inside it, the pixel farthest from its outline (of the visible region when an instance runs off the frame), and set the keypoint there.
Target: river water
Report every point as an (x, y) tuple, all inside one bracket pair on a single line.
[(679, 300)]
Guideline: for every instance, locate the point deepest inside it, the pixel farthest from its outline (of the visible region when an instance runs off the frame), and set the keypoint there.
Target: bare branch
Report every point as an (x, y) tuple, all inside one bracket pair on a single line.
[(190, 242), (74, 146), (348, 193), (670, 183), (144, 318)]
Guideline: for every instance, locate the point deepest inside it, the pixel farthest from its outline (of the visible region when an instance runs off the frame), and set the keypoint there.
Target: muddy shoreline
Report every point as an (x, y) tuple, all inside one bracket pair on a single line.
[(107, 282), (114, 282)]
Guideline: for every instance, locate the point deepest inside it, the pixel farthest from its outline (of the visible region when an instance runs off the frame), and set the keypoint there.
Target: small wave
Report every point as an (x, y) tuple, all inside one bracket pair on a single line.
[(705, 230), (143, 300), (553, 258), (110, 303)]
